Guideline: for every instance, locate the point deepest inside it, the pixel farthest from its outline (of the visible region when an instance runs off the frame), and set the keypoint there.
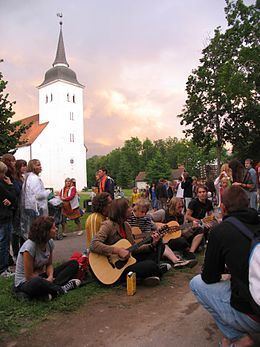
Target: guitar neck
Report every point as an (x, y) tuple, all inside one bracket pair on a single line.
[(134, 247)]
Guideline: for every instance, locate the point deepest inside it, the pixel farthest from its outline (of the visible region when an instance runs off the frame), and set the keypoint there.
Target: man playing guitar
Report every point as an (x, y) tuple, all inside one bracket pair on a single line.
[(199, 208)]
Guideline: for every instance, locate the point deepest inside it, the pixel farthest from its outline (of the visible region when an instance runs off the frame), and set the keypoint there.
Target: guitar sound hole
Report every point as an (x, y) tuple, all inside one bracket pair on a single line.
[(120, 264)]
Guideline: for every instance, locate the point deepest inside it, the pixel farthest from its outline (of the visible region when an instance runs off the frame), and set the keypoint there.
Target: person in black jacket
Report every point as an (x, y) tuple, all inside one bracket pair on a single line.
[(186, 185), (7, 201), (229, 301)]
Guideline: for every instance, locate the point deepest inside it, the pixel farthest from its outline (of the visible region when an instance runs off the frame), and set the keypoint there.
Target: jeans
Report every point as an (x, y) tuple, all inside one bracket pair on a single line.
[(215, 298), (253, 200), (5, 236), (39, 287)]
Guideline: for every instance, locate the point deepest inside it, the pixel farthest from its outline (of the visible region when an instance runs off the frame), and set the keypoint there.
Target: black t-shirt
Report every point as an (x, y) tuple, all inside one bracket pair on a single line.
[(176, 218), (200, 209)]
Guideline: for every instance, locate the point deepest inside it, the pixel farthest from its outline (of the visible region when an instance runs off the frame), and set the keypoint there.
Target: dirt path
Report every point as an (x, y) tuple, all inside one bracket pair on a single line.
[(167, 315)]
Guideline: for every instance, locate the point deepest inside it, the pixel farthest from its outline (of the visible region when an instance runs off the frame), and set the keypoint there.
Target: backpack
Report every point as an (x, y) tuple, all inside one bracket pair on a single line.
[(83, 262), (253, 262)]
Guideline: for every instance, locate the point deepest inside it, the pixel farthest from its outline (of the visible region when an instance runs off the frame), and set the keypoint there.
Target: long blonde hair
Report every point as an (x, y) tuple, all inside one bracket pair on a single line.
[(172, 207), (31, 164), (225, 167)]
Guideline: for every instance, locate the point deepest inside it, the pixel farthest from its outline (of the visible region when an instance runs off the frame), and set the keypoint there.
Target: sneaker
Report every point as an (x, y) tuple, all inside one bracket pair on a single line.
[(7, 274), (180, 264), (64, 235), (151, 281), (72, 284), (164, 267), (80, 232), (189, 255)]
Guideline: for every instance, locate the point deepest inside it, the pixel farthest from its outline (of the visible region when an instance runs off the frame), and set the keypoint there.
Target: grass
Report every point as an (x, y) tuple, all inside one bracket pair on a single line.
[(18, 316), (15, 316)]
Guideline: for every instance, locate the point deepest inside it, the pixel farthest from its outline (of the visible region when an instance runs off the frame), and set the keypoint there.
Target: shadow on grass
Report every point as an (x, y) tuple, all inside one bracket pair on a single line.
[(16, 315)]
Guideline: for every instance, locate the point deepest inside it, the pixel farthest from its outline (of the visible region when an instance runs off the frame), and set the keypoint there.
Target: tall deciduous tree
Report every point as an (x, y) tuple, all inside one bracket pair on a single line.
[(10, 133), (223, 90), (158, 168)]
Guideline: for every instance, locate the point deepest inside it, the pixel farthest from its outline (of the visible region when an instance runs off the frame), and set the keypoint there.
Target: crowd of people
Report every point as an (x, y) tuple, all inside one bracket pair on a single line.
[(165, 226)]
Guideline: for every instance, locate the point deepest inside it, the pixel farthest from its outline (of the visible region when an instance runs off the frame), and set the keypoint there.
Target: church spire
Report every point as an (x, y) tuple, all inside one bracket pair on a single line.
[(60, 59)]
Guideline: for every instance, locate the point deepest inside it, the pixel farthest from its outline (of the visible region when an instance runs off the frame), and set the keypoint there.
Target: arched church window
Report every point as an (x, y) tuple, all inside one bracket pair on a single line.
[(68, 97), (51, 97), (74, 99), (71, 137), (71, 116), (46, 99)]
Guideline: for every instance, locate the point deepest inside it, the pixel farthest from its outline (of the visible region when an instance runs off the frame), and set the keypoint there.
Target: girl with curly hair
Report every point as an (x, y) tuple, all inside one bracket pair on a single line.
[(35, 275)]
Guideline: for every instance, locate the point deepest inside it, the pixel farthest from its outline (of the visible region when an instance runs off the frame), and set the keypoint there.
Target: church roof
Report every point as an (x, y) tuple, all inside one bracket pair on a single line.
[(60, 69), (60, 54), (34, 131)]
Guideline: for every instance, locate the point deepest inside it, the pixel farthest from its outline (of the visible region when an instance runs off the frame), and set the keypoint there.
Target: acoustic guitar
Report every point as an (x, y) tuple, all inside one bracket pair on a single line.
[(174, 230), (108, 269)]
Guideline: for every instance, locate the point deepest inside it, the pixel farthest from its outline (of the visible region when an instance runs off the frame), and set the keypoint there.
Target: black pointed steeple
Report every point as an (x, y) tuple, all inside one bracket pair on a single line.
[(60, 54), (60, 70)]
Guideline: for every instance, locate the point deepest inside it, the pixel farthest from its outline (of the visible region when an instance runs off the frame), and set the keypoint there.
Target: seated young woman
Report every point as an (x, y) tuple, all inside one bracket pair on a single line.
[(116, 228), (140, 219), (34, 274), (191, 238)]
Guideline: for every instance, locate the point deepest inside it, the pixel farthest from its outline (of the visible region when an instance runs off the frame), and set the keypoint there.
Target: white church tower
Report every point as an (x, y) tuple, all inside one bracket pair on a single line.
[(60, 146)]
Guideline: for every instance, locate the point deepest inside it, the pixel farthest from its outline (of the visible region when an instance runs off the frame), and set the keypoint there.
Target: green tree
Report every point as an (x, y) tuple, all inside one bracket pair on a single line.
[(158, 168), (147, 153), (132, 151), (125, 177), (10, 132), (222, 91)]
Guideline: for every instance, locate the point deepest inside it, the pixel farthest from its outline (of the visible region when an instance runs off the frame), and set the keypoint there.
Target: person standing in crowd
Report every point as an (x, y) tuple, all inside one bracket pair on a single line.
[(194, 186), (7, 201), (179, 190), (230, 301), (241, 177), (161, 194), (253, 190), (152, 191), (225, 172), (34, 274), (186, 185), (170, 190), (9, 160), (100, 208), (33, 196), (135, 196), (106, 183), (17, 237), (70, 206)]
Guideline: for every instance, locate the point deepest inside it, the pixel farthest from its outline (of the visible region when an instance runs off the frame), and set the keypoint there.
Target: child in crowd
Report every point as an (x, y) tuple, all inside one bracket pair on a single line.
[(135, 196), (140, 219)]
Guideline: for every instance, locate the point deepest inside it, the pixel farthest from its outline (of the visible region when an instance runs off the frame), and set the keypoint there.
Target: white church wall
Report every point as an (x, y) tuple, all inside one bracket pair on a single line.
[(61, 144), (23, 153)]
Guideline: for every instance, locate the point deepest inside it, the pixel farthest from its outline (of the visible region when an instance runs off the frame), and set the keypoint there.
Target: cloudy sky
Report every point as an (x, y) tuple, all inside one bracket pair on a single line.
[(133, 56)]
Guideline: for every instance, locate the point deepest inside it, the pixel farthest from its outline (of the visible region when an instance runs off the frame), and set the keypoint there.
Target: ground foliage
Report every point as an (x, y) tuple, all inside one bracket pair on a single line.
[(222, 103), (10, 132)]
